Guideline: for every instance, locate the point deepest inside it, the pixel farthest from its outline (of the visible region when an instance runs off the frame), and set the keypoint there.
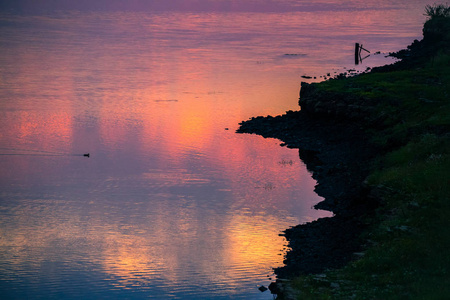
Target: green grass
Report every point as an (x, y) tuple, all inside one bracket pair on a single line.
[(407, 101), (412, 235), (407, 252), (408, 246)]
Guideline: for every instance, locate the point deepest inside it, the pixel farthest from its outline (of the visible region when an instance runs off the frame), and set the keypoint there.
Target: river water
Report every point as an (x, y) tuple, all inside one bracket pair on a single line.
[(171, 203)]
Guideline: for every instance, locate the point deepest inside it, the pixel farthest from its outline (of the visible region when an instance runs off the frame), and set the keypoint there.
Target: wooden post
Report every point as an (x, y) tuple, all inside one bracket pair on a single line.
[(357, 53)]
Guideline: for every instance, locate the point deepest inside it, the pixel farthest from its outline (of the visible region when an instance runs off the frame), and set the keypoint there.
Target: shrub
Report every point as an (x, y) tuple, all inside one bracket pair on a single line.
[(436, 28), (437, 11)]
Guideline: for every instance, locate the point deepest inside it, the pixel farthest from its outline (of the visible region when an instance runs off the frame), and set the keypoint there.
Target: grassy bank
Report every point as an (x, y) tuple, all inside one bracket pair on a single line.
[(406, 254)]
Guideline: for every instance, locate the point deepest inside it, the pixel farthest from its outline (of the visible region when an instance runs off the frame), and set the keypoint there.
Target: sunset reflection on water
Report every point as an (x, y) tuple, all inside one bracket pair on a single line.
[(171, 203)]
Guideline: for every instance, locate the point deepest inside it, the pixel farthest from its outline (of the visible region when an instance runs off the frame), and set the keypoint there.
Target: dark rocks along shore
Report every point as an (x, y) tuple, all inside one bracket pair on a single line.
[(337, 153)]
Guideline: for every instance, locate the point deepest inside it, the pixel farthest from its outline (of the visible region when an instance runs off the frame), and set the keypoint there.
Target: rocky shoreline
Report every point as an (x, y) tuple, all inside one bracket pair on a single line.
[(331, 133), (337, 153)]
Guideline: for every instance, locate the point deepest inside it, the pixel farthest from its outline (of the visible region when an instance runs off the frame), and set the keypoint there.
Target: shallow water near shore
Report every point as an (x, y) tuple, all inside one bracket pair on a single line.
[(171, 203)]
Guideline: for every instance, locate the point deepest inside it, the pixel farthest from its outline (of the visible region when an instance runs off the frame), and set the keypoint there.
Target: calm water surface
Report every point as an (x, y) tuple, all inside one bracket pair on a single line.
[(171, 203)]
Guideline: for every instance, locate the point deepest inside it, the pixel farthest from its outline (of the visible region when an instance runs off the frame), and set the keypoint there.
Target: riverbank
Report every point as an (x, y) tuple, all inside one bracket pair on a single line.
[(337, 155), (378, 146)]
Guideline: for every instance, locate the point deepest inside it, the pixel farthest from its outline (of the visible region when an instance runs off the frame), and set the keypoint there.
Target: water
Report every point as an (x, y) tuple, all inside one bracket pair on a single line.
[(171, 203)]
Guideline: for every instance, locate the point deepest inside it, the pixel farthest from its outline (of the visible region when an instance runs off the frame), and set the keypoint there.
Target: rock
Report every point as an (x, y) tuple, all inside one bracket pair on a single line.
[(275, 288), (262, 289)]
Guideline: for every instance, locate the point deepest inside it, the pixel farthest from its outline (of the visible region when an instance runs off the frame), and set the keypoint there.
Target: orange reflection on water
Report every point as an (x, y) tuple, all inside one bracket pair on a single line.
[(253, 239), (131, 259), (195, 124), (137, 254)]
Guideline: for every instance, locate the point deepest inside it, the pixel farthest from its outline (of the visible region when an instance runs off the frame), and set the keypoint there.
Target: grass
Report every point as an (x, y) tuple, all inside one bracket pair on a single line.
[(407, 246), (407, 100), (409, 259)]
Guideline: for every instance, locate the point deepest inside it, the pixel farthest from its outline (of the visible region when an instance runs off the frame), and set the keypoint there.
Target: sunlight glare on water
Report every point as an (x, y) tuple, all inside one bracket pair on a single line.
[(171, 203)]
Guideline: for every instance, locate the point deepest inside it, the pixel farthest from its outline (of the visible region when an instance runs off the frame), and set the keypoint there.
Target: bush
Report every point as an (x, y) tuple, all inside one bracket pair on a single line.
[(437, 11), (437, 27)]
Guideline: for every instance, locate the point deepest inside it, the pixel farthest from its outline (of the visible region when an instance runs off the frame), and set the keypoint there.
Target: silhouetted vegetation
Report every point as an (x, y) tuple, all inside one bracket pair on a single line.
[(437, 11), (406, 251)]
